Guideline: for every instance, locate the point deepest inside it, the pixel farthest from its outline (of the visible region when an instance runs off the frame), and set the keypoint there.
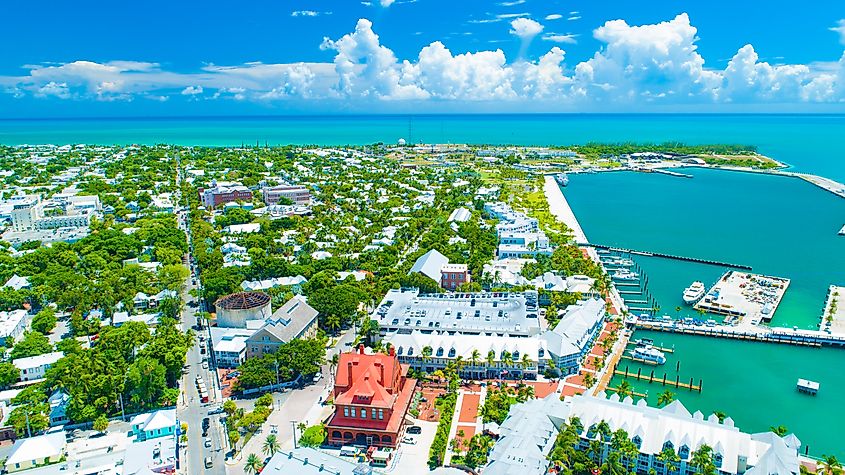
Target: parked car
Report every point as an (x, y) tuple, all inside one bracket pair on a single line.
[(409, 441), (318, 377), (209, 462), (207, 443), (414, 430)]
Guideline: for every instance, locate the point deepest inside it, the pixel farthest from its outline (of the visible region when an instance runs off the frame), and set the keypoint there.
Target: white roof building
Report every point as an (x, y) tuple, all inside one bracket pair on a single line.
[(429, 265), (17, 282), (33, 367), (13, 324), (252, 285), (460, 215), (575, 328), (31, 451), (247, 228)]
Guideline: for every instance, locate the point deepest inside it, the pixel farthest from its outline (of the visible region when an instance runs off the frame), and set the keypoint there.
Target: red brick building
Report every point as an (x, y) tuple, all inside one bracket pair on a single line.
[(453, 275), (372, 394), (222, 193)]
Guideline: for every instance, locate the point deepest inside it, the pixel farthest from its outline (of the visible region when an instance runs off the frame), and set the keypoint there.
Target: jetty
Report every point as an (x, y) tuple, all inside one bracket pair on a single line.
[(832, 319), (665, 256), (744, 296), (672, 173), (656, 379)]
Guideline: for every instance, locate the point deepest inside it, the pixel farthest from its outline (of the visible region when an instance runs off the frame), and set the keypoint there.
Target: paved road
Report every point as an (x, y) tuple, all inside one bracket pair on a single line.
[(295, 406), (190, 410)]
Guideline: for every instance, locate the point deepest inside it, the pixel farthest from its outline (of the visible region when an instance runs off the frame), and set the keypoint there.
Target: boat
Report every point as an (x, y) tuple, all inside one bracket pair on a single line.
[(624, 274), (648, 354), (644, 342), (562, 179), (694, 292)]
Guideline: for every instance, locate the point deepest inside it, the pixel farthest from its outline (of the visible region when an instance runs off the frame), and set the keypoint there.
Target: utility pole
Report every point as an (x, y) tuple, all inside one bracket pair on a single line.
[(293, 426)]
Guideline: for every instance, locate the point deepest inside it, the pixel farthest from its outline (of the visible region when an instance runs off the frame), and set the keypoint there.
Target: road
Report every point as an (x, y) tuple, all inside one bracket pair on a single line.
[(190, 410), (295, 407)]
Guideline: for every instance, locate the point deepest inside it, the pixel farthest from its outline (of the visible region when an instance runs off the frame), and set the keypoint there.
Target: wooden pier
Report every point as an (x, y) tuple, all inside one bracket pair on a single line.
[(732, 334), (651, 378), (666, 256)]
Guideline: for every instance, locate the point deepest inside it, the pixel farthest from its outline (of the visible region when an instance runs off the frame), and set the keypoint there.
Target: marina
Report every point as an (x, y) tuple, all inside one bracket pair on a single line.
[(664, 255), (744, 297), (651, 378)]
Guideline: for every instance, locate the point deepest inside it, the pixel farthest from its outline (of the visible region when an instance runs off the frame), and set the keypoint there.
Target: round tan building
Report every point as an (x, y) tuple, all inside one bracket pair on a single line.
[(234, 310)]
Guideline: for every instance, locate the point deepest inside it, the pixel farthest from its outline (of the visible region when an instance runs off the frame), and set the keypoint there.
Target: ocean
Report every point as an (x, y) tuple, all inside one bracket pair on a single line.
[(780, 226), (811, 143)]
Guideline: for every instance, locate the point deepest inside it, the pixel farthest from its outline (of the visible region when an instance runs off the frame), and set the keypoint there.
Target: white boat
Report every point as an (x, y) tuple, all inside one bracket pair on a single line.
[(694, 292), (649, 354), (562, 179), (624, 274)]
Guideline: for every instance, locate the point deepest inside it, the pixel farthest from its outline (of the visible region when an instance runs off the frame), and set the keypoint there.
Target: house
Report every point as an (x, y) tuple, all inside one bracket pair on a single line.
[(372, 394), (17, 282), (13, 324), (153, 425), (436, 266), (32, 451), (247, 228), (266, 284), (58, 401), (33, 367), (229, 345), (295, 319), (572, 337)]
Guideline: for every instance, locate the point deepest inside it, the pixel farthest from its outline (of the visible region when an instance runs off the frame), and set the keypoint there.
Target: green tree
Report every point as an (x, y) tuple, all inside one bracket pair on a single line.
[(44, 321), (830, 465), (271, 445), (313, 436), (230, 408), (101, 423), (624, 389), (702, 459), (9, 374), (32, 344), (780, 430), (234, 437), (253, 464), (665, 398)]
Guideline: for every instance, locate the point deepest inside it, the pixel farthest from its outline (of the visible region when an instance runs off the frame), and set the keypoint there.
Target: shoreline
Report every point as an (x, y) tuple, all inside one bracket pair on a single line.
[(561, 210)]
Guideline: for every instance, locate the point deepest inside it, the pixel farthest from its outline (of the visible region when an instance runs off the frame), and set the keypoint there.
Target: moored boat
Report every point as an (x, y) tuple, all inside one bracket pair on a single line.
[(694, 293), (562, 179), (648, 354)]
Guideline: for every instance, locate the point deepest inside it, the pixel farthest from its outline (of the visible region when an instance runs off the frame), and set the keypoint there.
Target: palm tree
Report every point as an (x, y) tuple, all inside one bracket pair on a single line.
[(589, 380), (475, 357), (780, 430), (426, 353), (721, 415), (670, 460), (253, 464), (702, 459), (525, 362), (491, 358), (603, 430), (665, 398), (333, 322), (830, 465), (613, 465), (271, 445), (624, 389)]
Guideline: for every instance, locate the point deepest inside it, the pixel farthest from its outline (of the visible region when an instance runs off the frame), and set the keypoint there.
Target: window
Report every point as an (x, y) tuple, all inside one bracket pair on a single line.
[(399, 351), (440, 352), (637, 441), (345, 411), (717, 459), (683, 452), (352, 411), (381, 414), (363, 413), (451, 353), (669, 445)]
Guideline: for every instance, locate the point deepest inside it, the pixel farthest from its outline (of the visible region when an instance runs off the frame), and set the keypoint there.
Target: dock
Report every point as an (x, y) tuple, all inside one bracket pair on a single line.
[(787, 336), (833, 314), (744, 296), (808, 387), (842, 231), (672, 173), (656, 379), (666, 256)]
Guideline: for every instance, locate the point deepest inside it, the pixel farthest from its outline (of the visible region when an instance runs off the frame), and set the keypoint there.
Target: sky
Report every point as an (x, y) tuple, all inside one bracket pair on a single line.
[(94, 58)]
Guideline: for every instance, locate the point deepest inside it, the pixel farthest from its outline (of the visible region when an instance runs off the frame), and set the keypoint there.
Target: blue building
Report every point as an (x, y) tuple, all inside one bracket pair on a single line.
[(153, 425)]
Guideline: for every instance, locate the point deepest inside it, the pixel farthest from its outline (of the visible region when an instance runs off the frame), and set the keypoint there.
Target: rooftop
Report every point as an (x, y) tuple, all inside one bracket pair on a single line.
[(479, 312), (242, 301)]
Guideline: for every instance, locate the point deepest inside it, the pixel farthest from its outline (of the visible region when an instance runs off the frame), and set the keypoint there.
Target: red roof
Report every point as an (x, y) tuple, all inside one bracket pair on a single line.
[(370, 380)]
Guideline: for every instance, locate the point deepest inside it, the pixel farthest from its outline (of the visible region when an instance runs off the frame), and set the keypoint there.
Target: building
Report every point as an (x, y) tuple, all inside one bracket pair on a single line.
[(235, 310), (308, 461), (58, 401), (460, 215), (436, 266), (266, 284), (33, 367), (13, 324), (483, 356), (295, 319), (519, 235), (573, 336), (527, 437), (222, 193), (229, 345), (478, 313), (33, 451), (298, 194), (152, 425), (30, 213), (17, 282), (372, 394)]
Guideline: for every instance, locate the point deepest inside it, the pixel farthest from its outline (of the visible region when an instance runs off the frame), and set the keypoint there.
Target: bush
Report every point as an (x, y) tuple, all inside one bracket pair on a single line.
[(446, 406), (313, 436), (266, 400)]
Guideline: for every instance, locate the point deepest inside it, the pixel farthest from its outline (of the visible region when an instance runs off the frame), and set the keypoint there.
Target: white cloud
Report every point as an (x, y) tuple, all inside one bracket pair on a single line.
[(635, 66), (310, 13), (506, 16), (840, 28), (573, 18), (511, 3), (554, 16), (525, 28), (192, 91), (386, 3), (556, 38)]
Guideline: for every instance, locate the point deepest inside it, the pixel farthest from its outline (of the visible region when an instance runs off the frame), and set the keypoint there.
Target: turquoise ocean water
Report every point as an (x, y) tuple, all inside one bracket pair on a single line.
[(779, 226)]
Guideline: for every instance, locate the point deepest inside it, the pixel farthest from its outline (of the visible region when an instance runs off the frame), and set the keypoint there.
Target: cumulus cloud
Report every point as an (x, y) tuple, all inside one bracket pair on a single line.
[(192, 91), (840, 29), (636, 65)]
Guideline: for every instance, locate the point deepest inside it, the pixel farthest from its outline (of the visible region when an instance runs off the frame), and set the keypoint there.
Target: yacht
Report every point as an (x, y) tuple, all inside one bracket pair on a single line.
[(648, 354), (624, 274), (562, 179), (694, 292)]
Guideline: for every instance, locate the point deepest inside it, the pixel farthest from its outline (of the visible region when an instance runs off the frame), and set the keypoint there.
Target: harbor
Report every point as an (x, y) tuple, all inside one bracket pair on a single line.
[(744, 297), (832, 319)]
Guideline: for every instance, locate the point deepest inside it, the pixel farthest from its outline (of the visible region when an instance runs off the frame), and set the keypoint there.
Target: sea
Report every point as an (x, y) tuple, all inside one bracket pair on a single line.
[(779, 226)]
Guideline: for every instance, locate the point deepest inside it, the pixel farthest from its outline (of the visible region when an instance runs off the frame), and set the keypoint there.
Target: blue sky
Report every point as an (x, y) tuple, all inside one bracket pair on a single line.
[(95, 58)]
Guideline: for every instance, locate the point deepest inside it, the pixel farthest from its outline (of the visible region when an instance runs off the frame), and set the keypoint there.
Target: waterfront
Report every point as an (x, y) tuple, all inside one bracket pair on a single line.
[(809, 143), (758, 220)]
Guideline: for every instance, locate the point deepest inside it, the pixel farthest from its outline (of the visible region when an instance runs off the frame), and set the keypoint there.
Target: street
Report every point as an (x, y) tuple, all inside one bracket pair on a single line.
[(190, 410)]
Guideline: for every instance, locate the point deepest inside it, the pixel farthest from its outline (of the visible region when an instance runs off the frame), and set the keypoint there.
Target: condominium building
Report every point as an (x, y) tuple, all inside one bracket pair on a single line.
[(298, 194), (519, 235), (224, 192), (573, 336), (31, 213), (527, 437)]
